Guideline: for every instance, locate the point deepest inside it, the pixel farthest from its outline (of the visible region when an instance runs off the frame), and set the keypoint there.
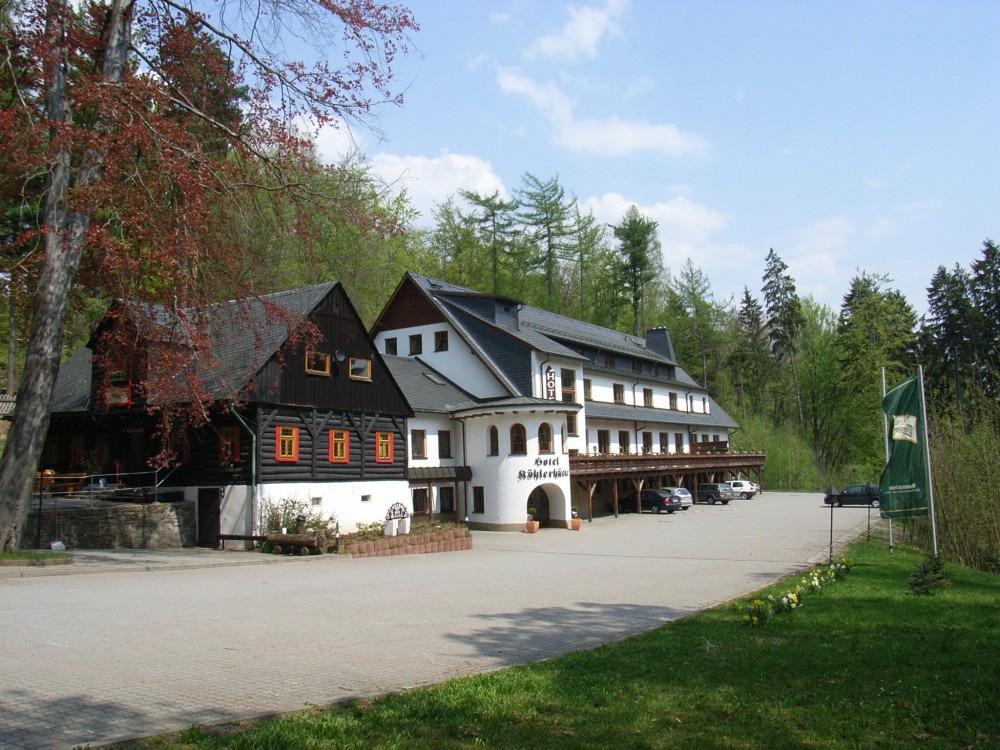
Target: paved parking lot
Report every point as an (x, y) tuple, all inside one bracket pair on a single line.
[(123, 644)]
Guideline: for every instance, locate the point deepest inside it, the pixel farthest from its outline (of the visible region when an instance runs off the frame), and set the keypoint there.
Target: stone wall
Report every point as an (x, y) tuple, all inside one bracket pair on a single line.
[(120, 526)]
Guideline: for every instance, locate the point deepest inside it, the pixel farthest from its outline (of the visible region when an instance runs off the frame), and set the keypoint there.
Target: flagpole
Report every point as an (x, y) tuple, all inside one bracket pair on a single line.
[(927, 449), (885, 430)]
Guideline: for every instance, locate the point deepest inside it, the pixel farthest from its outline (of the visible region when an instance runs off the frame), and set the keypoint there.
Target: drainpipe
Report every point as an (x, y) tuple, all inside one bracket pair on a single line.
[(253, 467)]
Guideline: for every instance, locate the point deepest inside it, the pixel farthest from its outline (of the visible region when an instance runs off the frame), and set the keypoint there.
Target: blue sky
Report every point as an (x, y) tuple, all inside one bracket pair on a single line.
[(846, 135)]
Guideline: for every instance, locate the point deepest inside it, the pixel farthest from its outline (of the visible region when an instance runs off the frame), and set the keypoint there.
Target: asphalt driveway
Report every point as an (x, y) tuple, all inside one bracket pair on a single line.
[(123, 644)]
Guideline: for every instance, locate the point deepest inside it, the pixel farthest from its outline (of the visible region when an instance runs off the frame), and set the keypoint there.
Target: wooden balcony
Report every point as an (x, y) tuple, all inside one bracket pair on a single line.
[(624, 465)]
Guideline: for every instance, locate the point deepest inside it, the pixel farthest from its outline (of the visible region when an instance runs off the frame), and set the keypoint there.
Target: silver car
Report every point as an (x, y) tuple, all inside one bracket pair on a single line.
[(682, 493)]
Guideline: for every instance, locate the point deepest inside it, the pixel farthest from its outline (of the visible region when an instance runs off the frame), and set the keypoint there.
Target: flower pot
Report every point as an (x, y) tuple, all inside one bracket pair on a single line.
[(532, 526), (575, 523)]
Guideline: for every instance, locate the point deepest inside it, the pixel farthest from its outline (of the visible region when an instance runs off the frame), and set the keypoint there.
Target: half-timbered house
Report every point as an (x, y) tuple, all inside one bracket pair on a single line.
[(319, 421)]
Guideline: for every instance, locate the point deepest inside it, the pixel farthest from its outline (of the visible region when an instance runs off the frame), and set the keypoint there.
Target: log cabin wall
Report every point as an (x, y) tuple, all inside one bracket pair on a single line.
[(313, 455)]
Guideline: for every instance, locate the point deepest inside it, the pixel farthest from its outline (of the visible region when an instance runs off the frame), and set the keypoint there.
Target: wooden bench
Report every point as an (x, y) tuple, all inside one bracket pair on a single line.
[(49, 484)]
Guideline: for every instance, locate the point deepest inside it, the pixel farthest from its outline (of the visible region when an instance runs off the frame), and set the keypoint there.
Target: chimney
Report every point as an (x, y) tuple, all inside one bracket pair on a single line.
[(658, 341)]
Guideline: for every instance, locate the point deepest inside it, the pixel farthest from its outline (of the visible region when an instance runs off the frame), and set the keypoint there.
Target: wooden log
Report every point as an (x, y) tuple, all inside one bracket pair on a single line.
[(310, 540)]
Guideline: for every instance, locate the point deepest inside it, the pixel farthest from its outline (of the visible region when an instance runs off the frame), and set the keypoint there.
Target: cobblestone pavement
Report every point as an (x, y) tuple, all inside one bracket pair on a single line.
[(129, 643)]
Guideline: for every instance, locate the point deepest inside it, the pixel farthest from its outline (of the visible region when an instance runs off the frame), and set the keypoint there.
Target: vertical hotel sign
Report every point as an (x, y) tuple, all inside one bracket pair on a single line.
[(905, 483), (550, 383)]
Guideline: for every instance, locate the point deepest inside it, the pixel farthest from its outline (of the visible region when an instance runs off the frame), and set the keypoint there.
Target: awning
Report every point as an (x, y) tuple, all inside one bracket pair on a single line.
[(440, 474)]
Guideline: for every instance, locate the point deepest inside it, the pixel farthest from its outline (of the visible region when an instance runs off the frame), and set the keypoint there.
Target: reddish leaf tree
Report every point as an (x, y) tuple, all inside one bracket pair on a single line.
[(147, 119)]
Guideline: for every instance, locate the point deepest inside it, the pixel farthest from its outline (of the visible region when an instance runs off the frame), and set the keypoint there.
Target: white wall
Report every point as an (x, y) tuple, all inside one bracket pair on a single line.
[(457, 363)]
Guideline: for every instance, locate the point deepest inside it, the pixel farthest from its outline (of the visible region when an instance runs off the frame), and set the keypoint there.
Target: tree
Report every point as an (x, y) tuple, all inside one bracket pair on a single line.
[(131, 186), (544, 213), (494, 221), (638, 249), (985, 289), (696, 322), (784, 321), (876, 330), (750, 360), (953, 336)]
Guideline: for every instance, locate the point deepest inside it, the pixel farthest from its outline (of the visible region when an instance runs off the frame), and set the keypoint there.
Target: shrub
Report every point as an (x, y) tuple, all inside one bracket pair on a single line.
[(929, 575)]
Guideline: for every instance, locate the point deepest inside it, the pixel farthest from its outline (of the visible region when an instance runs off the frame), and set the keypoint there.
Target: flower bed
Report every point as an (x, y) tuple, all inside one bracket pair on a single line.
[(759, 612), (420, 543)]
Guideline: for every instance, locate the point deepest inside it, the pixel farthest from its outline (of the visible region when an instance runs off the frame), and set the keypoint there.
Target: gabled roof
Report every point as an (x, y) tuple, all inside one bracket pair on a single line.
[(244, 335), (426, 389), (543, 331)]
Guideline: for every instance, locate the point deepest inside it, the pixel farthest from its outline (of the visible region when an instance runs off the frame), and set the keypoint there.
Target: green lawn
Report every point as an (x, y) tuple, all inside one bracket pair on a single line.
[(863, 663)]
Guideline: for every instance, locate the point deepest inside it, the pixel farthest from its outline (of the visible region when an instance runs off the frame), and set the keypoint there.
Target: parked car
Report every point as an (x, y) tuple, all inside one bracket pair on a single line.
[(712, 491), (686, 498), (743, 488), (855, 494), (654, 500)]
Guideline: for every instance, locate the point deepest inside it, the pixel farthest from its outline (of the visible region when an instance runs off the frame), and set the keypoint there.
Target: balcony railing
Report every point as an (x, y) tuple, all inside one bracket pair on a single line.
[(638, 463)]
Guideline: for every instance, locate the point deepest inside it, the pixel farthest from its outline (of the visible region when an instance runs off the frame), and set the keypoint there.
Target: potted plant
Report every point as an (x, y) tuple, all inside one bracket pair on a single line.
[(531, 525), (575, 521)]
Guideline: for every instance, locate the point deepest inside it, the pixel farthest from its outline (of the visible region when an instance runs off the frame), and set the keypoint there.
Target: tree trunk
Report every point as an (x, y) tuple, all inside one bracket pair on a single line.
[(64, 236)]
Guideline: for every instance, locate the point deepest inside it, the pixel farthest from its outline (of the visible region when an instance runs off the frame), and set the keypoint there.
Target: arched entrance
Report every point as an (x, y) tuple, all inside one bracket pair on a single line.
[(539, 500), (550, 504)]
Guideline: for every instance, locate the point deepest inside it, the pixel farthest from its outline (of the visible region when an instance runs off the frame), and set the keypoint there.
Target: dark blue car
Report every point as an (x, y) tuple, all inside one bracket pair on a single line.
[(855, 494), (657, 501)]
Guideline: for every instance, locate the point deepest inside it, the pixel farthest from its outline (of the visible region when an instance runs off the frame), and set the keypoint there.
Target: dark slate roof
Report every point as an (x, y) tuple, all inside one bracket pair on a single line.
[(718, 417), (72, 392), (425, 388), (245, 335), (545, 331)]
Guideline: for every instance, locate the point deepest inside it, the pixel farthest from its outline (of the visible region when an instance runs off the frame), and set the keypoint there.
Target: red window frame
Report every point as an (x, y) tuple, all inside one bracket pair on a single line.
[(294, 436), (340, 437)]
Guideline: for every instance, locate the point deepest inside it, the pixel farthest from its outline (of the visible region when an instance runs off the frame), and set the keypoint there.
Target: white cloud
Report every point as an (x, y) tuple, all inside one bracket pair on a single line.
[(820, 256), (616, 137), (429, 181), (581, 35), (600, 137)]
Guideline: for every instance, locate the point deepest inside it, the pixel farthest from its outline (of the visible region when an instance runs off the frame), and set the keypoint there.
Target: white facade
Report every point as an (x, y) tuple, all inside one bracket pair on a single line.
[(456, 361), (507, 482)]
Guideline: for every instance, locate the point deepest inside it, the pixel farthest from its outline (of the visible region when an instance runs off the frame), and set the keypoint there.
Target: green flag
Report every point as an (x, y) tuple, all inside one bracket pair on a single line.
[(905, 483)]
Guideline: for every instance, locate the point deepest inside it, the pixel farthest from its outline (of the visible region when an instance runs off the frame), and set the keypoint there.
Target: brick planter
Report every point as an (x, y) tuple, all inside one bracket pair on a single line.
[(447, 540)]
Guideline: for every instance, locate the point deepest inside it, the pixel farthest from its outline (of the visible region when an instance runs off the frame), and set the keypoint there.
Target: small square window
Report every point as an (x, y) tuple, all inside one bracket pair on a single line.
[(361, 369), (440, 341), (416, 344), (391, 346), (317, 363)]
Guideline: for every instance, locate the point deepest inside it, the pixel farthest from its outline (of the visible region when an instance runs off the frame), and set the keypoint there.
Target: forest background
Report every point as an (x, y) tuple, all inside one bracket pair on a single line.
[(803, 380)]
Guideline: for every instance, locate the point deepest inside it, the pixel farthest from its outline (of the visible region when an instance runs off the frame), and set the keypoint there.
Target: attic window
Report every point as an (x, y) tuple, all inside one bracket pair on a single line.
[(317, 363), (434, 378), (361, 369)]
